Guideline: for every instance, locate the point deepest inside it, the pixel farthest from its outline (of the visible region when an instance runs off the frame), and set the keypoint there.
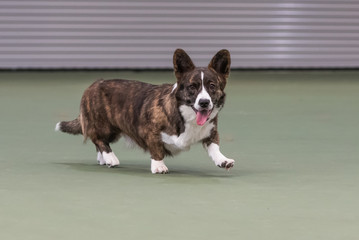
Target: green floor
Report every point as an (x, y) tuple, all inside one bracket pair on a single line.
[(294, 136)]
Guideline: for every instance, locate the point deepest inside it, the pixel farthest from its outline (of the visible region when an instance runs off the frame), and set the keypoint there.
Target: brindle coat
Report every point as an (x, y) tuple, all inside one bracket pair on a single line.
[(111, 108)]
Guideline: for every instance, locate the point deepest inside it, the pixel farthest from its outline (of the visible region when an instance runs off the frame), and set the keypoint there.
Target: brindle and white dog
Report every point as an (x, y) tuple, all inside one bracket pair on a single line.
[(162, 119)]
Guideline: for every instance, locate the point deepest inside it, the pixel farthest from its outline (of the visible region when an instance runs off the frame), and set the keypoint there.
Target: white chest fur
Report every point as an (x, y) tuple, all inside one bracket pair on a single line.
[(193, 133)]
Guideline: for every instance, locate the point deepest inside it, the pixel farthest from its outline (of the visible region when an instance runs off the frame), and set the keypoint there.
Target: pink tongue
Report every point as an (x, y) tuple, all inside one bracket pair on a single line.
[(202, 117)]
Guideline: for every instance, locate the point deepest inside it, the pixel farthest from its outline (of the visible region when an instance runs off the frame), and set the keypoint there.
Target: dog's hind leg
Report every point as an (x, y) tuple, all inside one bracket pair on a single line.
[(105, 154), (100, 159)]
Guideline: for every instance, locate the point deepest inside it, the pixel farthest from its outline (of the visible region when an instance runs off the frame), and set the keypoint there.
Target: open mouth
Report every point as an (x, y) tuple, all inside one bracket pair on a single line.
[(202, 115)]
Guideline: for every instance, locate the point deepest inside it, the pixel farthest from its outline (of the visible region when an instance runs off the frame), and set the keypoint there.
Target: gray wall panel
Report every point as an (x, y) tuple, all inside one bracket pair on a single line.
[(143, 34)]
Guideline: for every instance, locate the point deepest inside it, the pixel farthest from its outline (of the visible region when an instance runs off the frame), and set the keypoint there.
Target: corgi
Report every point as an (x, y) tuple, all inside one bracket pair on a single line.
[(161, 119)]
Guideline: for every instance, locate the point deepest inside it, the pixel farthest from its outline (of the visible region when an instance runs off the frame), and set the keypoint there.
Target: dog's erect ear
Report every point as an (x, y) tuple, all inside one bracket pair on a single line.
[(221, 62), (182, 63)]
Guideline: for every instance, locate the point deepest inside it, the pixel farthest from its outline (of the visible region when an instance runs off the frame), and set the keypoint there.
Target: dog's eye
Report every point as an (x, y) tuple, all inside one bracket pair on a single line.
[(212, 86), (192, 87)]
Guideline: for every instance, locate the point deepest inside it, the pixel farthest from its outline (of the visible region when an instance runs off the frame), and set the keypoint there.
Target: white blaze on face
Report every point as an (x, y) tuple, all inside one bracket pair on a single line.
[(203, 95), (202, 115)]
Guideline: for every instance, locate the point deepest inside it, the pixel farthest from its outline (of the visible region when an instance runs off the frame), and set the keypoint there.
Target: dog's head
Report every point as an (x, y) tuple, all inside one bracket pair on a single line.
[(200, 91)]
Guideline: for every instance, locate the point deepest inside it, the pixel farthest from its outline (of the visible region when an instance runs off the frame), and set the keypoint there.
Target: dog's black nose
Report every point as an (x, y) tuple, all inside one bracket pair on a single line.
[(203, 103)]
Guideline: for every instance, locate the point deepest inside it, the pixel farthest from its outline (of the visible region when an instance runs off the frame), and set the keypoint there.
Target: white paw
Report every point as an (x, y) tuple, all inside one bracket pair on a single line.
[(225, 163), (110, 159), (158, 167), (100, 159), (218, 158)]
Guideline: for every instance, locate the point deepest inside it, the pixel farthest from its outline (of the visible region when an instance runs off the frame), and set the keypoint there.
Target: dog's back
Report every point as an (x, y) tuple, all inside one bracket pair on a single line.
[(110, 108)]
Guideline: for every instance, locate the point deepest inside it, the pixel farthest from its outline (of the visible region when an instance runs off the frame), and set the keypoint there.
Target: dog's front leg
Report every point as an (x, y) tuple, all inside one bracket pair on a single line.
[(157, 164), (212, 145), (218, 158), (158, 167)]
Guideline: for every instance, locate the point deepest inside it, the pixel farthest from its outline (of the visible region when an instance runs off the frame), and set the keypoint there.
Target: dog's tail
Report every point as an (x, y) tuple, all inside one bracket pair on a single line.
[(71, 127)]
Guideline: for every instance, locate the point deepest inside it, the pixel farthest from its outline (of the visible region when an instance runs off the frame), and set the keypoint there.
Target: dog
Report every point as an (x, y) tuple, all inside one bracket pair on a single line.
[(161, 119)]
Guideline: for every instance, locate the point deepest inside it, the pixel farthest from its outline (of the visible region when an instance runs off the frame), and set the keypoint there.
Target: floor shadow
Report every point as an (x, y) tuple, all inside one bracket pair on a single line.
[(87, 167), (144, 170)]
